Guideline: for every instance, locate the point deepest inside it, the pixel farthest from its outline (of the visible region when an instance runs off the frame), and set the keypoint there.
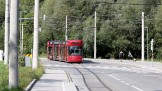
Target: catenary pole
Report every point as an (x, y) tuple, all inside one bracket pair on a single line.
[(20, 30), (66, 37), (152, 49), (142, 54), (147, 43), (13, 45), (35, 40), (7, 27), (95, 37), (22, 39)]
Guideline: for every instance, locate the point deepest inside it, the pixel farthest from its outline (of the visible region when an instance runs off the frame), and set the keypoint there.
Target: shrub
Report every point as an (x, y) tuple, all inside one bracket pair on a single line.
[(21, 60)]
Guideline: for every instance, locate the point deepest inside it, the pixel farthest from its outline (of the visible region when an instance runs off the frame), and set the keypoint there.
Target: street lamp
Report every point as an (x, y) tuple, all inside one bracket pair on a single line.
[(66, 37), (21, 33), (22, 28)]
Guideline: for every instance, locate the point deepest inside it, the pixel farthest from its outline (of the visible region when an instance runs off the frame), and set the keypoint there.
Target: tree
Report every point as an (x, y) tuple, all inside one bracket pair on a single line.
[(118, 25), (2, 18)]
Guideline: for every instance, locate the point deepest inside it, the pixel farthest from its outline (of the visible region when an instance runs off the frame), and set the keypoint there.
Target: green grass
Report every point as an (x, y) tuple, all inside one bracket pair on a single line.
[(26, 75)]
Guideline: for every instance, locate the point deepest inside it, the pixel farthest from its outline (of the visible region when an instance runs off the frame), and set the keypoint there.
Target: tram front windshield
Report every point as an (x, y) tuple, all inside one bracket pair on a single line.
[(75, 50)]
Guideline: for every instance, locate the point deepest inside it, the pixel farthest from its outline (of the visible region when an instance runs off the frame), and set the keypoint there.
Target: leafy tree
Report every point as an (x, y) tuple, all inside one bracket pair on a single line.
[(2, 19), (118, 25), (2, 37)]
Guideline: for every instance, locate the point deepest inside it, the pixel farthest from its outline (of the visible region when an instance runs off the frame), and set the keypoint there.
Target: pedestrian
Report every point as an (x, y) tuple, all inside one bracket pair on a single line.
[(121, 55), (130, 55)]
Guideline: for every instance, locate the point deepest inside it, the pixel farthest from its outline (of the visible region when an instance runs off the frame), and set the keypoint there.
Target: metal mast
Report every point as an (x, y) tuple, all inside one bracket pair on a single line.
[(143, 51), (95, 37)]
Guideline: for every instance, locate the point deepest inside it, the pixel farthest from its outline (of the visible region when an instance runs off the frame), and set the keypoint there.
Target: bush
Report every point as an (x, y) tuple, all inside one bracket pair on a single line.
[(21, 60), (27, 75)]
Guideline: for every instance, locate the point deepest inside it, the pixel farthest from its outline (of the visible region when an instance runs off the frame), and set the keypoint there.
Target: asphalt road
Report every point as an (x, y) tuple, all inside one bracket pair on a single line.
[(108, 76)]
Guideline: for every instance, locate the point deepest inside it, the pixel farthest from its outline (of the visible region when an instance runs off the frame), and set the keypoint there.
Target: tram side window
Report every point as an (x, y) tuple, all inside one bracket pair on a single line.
[(75, 50)]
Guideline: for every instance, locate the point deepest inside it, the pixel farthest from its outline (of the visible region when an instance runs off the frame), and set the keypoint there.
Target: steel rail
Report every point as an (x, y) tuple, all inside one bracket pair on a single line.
[(83, 77), (109, 89)]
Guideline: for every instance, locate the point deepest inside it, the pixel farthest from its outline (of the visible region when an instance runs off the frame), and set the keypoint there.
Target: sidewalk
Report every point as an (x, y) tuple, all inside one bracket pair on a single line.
[(54, 80), (154, 66)]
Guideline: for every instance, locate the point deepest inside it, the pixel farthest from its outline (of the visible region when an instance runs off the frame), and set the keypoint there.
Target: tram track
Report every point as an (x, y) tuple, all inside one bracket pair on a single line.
[(86, 74)]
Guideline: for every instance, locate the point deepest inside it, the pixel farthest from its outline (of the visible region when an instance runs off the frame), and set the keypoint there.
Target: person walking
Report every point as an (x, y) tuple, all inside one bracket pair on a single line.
[(130, 55), (121, 55)]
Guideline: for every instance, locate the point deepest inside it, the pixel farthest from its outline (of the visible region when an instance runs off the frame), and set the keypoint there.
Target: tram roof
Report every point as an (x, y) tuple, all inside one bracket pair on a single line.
[(56, 42)]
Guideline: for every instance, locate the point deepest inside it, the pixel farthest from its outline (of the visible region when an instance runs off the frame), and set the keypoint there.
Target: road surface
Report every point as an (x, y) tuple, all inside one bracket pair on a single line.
[(110, 75)]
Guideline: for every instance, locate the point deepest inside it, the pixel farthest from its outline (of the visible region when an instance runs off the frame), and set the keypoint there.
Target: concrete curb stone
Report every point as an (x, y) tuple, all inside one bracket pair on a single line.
[(29, 87)]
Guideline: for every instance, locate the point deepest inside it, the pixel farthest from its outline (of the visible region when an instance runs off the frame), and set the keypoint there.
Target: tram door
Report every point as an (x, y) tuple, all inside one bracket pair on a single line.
[(56, 50), (62, 52), (49, 52)]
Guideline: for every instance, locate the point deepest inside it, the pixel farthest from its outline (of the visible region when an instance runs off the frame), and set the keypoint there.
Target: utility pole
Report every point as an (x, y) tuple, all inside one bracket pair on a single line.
[(95, 37), (20, 31), (143, 51), (22, 39), (147, 43), (7, 27), (152, 50), (66, 37), (13, 54), (35, 40)]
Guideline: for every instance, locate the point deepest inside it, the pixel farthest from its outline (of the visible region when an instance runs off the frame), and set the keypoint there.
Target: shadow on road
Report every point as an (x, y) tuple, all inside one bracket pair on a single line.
[(89, 62)]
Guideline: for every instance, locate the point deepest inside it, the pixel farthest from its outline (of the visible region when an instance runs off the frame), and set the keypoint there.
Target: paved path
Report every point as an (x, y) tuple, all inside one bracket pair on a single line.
[(54, 80), (59, 80)]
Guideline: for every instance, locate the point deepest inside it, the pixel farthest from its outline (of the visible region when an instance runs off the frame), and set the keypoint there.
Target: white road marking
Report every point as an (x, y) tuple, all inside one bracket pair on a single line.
[(114, 77), (126, 83), (57, 65), (50, 65), (137, 88), (63, 85)]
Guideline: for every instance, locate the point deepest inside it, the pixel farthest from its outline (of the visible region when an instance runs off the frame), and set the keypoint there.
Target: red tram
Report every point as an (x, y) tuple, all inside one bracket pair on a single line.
[(70, 51)]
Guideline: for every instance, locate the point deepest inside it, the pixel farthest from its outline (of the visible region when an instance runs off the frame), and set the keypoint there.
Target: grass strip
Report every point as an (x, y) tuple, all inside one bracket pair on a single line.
[(26, 75)]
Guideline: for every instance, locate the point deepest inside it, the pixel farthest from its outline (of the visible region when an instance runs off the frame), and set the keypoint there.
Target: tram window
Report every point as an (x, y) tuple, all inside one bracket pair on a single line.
[(75, 50)]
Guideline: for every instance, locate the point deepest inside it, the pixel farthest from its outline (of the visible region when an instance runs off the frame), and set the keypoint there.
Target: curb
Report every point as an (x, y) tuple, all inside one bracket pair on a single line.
[(29, 87), (70, 86), (69, 77)]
